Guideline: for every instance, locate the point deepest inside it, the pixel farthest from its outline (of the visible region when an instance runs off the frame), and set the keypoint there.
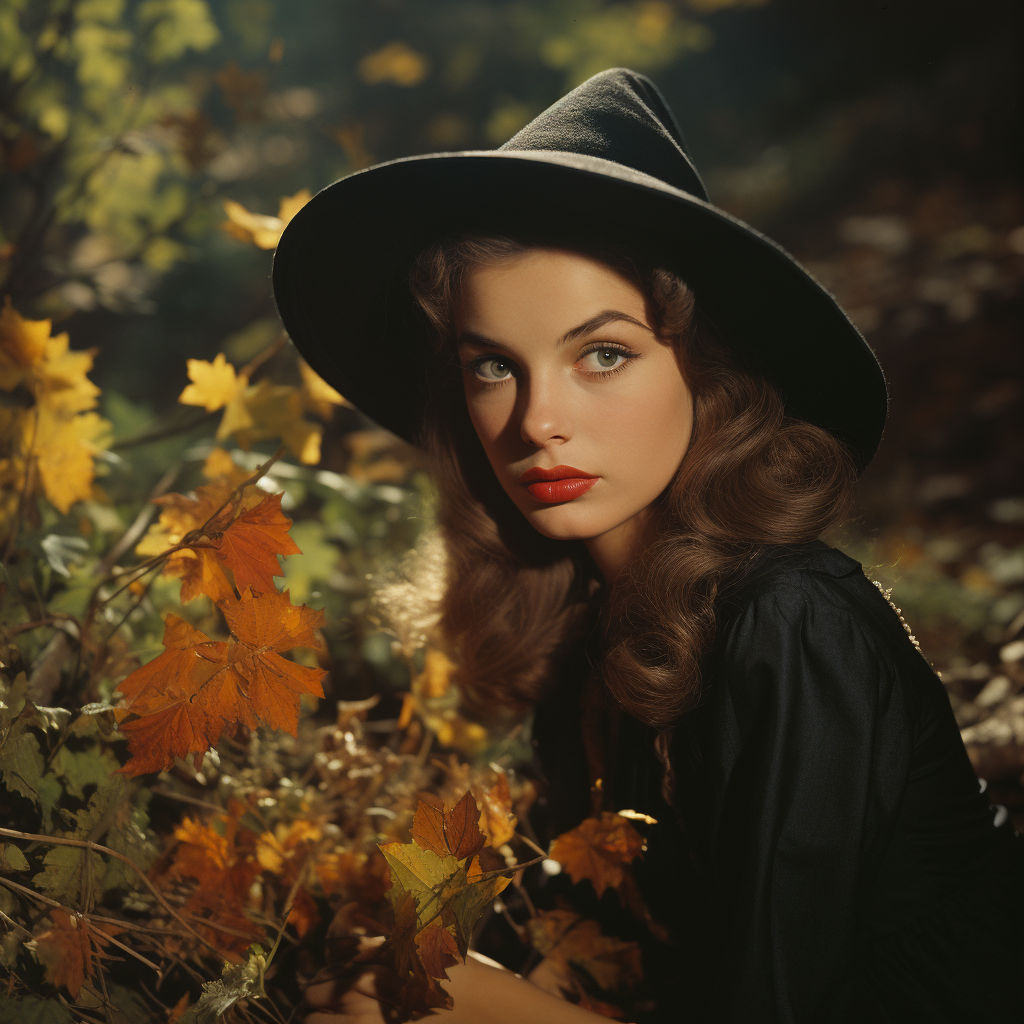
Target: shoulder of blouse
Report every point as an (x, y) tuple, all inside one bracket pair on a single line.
[(813, 598)]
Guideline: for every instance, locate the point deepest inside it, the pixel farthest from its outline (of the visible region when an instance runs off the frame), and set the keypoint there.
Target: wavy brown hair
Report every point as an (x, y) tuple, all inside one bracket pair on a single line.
[(514, 601)]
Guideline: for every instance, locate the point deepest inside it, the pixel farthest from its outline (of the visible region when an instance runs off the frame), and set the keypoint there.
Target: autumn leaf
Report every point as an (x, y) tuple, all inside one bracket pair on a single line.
[(258, 228), (186, 697), (319, 397), (438, 948), (570, 942), (497, 821), (598, 849), (214, 385), (22, 345), (251, 544), (66, 951), (223, 866), (56, 434), (246, 540), (444, 831)]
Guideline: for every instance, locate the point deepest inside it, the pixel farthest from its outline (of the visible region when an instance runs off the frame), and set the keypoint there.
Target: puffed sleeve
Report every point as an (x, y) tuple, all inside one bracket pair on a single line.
[(815, 748)]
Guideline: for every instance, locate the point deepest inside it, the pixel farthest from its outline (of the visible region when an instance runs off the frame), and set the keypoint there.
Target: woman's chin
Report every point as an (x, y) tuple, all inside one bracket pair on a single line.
[(563, 522)]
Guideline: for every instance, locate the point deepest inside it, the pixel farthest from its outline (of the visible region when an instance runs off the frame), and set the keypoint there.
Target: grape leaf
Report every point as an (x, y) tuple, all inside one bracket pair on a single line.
[(598, 850)]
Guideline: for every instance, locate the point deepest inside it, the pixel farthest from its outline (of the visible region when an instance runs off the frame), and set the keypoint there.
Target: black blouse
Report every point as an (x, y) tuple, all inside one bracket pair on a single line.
[(829, 855)]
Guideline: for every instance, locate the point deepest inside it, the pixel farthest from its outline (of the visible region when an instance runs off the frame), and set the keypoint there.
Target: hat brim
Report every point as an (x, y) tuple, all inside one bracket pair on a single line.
[(339, 278)]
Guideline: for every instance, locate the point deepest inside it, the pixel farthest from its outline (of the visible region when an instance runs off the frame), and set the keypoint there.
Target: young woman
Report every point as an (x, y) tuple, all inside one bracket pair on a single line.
[(642, 414)]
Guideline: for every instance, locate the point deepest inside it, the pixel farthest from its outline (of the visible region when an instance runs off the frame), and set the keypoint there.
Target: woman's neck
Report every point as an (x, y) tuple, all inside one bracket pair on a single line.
[(613, 549)]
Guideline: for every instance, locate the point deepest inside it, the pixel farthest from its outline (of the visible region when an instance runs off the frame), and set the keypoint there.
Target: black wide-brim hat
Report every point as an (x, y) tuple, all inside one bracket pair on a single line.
[(608, 159)]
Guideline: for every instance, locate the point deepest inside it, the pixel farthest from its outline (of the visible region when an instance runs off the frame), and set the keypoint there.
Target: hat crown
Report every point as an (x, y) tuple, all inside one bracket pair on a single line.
[(616, 115)]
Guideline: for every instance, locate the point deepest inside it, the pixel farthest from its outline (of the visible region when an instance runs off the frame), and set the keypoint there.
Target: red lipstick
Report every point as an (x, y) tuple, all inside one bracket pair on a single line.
[(562, 483)]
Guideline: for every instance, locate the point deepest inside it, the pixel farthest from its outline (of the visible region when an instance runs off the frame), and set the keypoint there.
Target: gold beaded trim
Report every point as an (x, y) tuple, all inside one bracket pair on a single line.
[(887, 594)]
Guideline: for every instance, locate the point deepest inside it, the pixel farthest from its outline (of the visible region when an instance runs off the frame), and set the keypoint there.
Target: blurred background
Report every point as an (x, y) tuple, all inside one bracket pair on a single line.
[(147, 146)]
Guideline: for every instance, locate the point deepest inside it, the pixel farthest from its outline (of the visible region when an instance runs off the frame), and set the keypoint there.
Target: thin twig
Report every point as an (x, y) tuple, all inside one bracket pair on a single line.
[(264, 356), (141, 521), (159, 433), (25, 891), (96, 847)]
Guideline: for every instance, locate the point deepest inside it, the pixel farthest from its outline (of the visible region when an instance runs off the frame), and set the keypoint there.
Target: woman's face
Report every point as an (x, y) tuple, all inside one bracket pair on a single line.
[(583, 413)]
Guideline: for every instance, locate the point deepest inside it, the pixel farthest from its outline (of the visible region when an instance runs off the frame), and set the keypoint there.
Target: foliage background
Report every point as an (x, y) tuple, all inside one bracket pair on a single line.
[(869, 138)]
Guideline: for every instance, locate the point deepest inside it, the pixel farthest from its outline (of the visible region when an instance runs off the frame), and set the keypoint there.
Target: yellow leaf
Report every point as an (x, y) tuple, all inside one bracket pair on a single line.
[(275, 410), (318, 394), (259, 228), (214, 385), (22, 344), (64, 448), (396, 62), (220, 466), (290, 205), (60, 379)]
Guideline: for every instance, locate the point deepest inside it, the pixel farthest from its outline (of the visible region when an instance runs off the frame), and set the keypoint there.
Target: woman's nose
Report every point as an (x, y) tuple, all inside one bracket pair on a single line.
[(545, 417)]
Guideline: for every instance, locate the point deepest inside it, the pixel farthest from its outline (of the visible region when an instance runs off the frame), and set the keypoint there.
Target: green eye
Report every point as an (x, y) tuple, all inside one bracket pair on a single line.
[(600, 359), (492, 369)]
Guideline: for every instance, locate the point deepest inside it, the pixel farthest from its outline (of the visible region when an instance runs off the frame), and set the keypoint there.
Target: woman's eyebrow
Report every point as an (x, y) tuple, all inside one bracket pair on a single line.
[(588, 326)]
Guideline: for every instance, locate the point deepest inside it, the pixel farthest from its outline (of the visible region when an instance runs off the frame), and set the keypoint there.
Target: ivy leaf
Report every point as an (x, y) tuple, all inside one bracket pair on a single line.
[(598, 850), (78, 769)]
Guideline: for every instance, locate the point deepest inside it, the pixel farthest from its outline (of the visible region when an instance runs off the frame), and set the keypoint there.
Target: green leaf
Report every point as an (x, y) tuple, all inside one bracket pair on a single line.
[(79, 769), (11, 858), (177, 26), (428, 877), (21, 762), (33, 1010), (71, 874), (244, 981)]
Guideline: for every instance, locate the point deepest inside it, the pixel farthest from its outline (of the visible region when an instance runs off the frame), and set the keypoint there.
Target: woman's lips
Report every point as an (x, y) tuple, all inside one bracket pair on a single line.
[(562, 483)]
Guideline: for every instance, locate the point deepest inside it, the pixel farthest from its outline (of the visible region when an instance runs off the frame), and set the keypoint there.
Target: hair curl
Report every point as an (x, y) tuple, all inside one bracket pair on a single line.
[(515, 601)]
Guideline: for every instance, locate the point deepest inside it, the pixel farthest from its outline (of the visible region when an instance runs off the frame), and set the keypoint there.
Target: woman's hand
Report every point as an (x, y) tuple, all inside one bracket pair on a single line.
[(357, 1005), (483, 993)]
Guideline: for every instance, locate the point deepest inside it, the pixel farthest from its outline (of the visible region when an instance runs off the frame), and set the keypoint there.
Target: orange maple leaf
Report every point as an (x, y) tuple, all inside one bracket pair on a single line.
[(187, 696), (246, 537), (598, 849), (250, 545), (66, 951), (224, 868), (444, 831)]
